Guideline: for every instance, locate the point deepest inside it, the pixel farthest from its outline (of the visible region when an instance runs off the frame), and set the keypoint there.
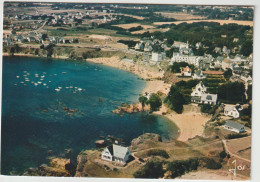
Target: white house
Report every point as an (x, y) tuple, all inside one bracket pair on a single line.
[(226, 63), (186, 71), (236, 127), (233, 110), (116, 153), (158, 56), (209, 99), (198, 75), (177, 57), (199, 90), (246, 78)]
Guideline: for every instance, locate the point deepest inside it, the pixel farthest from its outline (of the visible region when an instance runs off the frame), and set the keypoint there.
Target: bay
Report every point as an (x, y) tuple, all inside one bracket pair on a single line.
[(50, 105)]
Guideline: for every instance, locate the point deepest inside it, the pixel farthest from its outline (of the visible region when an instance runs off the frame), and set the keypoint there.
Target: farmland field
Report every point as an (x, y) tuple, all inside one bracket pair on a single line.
[(181, 16)]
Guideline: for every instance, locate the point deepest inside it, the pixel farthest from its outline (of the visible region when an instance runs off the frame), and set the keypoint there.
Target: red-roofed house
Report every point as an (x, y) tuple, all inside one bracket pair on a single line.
[(186, 71)]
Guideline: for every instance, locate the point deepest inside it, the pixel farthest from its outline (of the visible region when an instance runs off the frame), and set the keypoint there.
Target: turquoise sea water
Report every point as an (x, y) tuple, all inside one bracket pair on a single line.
[(37, 94)]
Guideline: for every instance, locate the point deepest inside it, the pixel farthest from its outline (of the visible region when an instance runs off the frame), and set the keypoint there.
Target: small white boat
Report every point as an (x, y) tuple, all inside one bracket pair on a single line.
[(39, 83), (50, 81), (35, 84), (22, 82), (44, 84), (64, 72), (79, 89), (56, 89), (60, 87), (17, 76)]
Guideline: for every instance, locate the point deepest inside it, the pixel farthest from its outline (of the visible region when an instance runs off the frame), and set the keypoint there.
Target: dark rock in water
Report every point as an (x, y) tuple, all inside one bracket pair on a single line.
[(68, 151), (109, 140), (49, 151), (102, 137), (112, 137), (100, 143)]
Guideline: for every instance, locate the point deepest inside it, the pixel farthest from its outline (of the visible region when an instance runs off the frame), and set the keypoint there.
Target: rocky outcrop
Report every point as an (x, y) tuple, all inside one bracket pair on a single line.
[(100, 143), (57, 167), (81, 161), (132, 108)]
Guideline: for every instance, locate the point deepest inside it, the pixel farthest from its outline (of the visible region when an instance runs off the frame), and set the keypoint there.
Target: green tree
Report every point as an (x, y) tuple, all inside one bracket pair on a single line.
[(150, 170), (143, 100), (249, 92), (228, 73), (232, 92), (179, 167), (11, 51), (175, 99), (247, 48), (155, 102)]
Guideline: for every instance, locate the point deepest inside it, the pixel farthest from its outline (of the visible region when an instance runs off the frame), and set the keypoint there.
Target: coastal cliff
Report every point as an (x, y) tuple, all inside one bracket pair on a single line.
[(149, 148), (56, 167)]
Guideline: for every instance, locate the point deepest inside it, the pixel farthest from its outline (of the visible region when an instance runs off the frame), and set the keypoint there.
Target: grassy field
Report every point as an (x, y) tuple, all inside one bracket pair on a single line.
[(240, 147), (133, 16), (130, 25)]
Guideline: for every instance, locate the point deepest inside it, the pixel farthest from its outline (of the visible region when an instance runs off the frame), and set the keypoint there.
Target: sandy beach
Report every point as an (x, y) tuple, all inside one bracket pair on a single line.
[(190, 124), (140, 70)]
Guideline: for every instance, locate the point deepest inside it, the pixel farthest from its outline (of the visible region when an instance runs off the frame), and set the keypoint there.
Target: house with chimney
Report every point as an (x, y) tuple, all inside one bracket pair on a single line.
[(116, 153)]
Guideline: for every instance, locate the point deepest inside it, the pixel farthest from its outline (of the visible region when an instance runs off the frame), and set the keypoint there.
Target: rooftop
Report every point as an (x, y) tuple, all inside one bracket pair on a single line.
[(213, 72), (234, 125), (118, 151)]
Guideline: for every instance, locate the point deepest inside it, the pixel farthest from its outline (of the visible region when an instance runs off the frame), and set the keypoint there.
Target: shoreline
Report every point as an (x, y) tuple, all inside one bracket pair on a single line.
[(189, 124), (31, 55)]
